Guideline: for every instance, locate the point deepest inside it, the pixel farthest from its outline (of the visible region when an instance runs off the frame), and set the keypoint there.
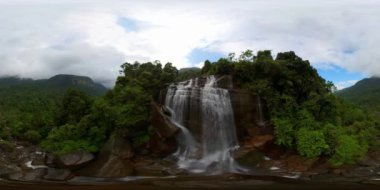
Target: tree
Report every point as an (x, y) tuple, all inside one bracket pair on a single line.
[(206, 67), (75, 105)]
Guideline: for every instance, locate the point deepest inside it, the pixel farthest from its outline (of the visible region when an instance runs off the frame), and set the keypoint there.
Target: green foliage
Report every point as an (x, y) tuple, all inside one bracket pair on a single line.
[(83, 124), (206, 67), (348, 150), (311, 143), (188, 73), (305, 113), (68, 138), (29, 108), (284, 131), (75, 105)]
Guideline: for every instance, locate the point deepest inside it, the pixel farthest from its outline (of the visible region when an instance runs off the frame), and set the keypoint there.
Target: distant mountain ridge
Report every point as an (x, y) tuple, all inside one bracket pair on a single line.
[(57, 83), (365, 93)]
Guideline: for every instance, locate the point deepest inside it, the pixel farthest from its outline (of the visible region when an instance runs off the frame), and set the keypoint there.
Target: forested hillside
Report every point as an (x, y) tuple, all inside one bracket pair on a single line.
[(365, 93), (28, 107)]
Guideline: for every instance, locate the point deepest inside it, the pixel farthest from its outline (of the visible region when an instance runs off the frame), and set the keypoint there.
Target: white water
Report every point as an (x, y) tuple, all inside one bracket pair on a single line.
[(218, 140), (260, 111), (30, 165)]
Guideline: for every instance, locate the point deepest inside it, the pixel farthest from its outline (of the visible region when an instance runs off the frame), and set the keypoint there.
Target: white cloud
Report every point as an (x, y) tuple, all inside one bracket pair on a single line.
[(40, 38), (345, 84)]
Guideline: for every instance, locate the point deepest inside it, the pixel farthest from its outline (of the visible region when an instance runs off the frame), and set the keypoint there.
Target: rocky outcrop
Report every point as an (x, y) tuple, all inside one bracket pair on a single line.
[(114, 160), (74, 160), (162, 141), (161, 122)]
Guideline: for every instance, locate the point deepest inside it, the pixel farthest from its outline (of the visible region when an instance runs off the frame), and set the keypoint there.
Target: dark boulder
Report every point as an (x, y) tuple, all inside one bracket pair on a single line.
[(73, 160), (54, 174), (161, 122), (250, 158), (114, 160), (28, 175)]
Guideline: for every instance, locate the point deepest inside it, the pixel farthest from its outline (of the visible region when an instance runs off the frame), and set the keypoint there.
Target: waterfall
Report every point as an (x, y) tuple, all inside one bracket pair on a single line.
[(261, 121), (212, 152)]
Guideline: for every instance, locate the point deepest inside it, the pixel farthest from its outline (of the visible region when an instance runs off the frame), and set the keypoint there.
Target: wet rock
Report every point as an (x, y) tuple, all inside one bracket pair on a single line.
[(244, 106), (118, 147), (327, 177), (372, 159), (251, 159), (166, 111), (372, 181), (299, 163), (225, 81), (260, 141), (162, 146), (322, 167), (148, 167), (54, 174), (358, 172), (73, 160), (161, 122), (6, 169), (49, 160), (273, 165), (113, 167), (114, 160), (39, 161), (28, 175)]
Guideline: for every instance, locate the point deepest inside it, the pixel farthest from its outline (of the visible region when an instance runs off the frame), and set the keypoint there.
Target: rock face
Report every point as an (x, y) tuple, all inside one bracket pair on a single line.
[(161, 122), (73, 160), (114, 160), (162, 141)]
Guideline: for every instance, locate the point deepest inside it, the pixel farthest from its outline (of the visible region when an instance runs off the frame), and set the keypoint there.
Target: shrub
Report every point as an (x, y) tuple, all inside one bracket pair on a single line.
[(348, 150), (311, 143), (284, 131), (32, 136)]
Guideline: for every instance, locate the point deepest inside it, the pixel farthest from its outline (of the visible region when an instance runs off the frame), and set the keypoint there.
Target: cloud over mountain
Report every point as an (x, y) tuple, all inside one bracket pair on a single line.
[(40, 38)]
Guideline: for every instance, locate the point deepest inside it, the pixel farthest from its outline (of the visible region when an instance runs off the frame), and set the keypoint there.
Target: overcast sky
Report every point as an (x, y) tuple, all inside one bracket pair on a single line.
[(41, 38)]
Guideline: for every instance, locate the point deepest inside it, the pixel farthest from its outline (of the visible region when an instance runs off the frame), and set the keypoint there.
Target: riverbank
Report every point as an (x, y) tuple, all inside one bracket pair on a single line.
[(197, 182)]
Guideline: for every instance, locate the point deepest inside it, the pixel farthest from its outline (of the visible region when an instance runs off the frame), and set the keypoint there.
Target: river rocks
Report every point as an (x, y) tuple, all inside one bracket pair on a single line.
[(259, 141), (251, 159), (359, 172), (114, 160), (73, 160), (28, 175), (150, 167), (300, 164), (55, 174), (6, 169), (114, 167)]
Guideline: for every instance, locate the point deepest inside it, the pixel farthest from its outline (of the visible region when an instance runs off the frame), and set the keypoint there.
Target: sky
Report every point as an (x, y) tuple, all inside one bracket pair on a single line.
[(41, 38)]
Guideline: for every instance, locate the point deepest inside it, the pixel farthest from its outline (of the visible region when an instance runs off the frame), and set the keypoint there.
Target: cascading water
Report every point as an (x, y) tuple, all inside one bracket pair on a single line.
[(261, 121), (218, 140)]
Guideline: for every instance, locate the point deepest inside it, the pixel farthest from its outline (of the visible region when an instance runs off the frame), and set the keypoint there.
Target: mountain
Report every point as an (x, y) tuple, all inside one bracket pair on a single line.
[(365, 93), (32, 96), (56, 84)]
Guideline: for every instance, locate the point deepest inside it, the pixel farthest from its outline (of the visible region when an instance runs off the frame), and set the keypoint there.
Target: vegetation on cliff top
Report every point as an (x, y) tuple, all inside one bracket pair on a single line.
[(306, 115)]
